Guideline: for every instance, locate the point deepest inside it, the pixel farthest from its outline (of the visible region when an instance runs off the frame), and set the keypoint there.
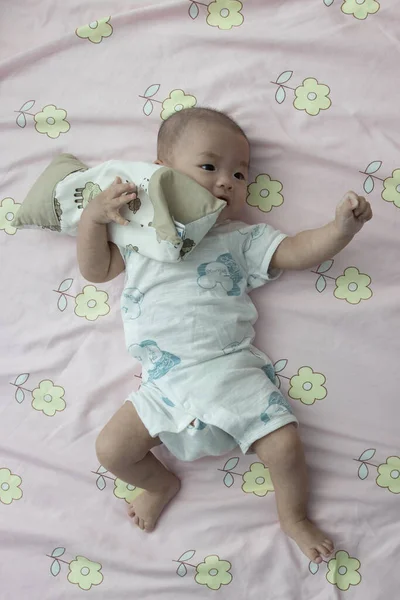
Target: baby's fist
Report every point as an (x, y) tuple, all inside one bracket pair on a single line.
[(351, 214)]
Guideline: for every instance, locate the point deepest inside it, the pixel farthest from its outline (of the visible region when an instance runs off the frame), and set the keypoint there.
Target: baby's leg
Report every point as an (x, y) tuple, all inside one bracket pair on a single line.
[(123, 447), (282, 452)]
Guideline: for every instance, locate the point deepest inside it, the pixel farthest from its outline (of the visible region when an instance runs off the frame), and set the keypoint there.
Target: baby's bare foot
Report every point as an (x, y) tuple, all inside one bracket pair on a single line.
[(148, 506), (311, 540)]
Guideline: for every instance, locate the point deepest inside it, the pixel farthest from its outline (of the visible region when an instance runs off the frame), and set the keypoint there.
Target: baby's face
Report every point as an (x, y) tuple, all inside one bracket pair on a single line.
[(217, 158)]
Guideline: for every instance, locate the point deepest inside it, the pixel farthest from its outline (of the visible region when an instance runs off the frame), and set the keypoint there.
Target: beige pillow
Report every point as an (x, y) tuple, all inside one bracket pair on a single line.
[(170, 216), (40, 208)]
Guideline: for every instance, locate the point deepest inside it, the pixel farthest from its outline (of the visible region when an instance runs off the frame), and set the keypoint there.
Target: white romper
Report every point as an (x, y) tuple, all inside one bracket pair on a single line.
[(205, 388)]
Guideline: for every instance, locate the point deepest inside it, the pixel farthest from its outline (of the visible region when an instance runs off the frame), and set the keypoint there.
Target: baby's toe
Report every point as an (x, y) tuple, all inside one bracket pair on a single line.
[(314, 555), (136, 520), (326, 547), (141, 524), (148, 526), (322, 551)]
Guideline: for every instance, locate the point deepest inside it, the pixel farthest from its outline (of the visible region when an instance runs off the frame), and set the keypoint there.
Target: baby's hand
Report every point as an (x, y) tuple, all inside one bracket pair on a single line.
[(351, 214), (105, 207)]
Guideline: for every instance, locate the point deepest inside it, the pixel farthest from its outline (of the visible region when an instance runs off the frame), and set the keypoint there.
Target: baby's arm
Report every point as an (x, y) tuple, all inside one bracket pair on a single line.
[(100, 260), (312, 247)]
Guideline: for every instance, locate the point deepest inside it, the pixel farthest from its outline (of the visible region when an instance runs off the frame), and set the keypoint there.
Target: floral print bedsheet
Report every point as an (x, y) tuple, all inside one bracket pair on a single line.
[(313, 83)]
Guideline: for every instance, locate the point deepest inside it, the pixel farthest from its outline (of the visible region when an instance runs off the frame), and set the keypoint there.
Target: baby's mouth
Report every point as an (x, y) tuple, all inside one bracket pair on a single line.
[(227, 200)]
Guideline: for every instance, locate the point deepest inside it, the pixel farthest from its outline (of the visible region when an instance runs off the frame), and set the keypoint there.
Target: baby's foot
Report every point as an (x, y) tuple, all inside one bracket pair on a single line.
[(148, 506), (311, 540)]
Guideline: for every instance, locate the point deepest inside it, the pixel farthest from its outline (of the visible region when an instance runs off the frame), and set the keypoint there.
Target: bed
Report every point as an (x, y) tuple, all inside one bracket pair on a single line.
[(314, 84)]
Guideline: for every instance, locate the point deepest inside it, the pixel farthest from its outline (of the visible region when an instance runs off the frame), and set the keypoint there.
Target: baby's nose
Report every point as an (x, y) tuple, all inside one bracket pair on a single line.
[(224, 181)]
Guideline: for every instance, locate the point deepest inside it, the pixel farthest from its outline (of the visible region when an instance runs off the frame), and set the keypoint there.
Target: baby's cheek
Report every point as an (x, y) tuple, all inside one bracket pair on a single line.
[(241, 198)]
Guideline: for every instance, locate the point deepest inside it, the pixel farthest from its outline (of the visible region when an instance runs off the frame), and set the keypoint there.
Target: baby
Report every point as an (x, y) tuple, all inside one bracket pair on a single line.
[(206, 389)]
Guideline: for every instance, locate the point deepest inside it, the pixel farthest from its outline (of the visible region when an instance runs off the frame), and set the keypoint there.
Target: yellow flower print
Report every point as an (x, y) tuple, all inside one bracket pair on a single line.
[(213, 572), (51, 121), (307, 386), (391, 192), (225, 14), (352, 286), (389, 475), (8, 210), (176, 101), (264, 193), (360, 9), (126, 491), (258, 480), (48, 398), (9, 486), (312, 97), (84, 573), (91, 303), (95, 31), (343, 571)]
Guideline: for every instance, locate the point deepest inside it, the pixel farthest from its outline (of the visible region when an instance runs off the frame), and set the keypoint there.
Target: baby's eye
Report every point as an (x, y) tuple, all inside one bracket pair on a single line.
[(208, 167), (240, 176)]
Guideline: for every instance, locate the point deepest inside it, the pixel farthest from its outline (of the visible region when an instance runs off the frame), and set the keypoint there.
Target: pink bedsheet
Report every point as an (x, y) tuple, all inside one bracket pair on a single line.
[(315, 86)]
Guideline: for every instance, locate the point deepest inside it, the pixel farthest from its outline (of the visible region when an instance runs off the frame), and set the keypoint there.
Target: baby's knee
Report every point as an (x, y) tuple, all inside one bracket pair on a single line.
[(107, 450), (113, 452), (291, 447), (282, 446)]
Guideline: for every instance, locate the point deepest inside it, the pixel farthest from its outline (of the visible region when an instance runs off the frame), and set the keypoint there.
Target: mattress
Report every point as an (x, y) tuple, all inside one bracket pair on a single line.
[(315, 86)]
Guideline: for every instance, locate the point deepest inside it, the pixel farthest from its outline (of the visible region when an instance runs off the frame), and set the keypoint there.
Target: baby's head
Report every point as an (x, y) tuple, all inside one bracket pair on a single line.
[(212, 149)]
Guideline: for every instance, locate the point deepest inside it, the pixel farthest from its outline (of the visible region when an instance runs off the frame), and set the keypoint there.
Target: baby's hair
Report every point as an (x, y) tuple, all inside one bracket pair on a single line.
[(176, 124)]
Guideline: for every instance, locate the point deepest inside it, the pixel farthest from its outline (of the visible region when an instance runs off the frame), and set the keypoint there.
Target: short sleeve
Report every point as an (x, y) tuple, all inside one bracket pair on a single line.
[(259, 245), (123, 251), (129, 256)]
